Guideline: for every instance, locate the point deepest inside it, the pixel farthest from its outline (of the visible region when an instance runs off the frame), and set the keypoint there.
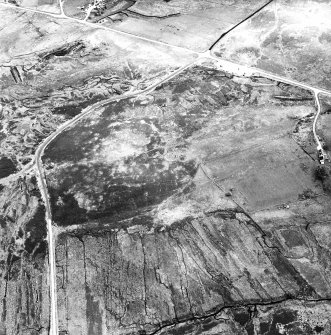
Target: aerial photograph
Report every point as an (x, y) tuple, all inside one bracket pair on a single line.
[(165, 167)]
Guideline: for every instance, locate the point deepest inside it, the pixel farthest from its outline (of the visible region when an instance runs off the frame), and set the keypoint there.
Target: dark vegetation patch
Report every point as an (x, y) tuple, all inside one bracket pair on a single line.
[(307, 194), (250, 329), (105, 226), (292, 238), (63, 50), (241, 316), (318, 329), (78, 141), (69, 212), (264, 327), (325, 128), (36, 232), (73, 109), (283, 318), (187, 328), (325, 38), (7, 167), (3, 223), (286, 321), (224, 214), (123, 195), (323, 174)]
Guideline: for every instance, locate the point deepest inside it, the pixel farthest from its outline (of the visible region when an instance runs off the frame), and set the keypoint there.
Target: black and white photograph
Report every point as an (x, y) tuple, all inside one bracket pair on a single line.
[(165, 167)]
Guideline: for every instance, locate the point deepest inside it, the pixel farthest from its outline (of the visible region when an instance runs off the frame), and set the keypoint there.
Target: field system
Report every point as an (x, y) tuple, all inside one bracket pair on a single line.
[(165, 167)]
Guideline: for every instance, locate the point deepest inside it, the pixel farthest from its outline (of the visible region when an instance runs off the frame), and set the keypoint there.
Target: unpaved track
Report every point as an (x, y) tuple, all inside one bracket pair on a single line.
[(318, 104)]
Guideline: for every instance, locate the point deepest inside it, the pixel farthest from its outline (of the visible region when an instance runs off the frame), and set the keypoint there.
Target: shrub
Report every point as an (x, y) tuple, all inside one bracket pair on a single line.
[(321, 173)]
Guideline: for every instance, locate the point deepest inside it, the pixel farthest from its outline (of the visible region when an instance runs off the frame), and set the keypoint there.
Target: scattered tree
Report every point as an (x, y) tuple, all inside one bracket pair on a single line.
[(323, 174)]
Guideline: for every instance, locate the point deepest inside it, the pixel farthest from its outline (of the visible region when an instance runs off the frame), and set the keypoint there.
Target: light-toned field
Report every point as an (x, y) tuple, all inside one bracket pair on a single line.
[(266, 175), (288, 38), (48, 6), (192, 24)]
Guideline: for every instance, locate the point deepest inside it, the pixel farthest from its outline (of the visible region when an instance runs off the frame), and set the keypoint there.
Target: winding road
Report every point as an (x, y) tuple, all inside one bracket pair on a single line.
[(37, 162)]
